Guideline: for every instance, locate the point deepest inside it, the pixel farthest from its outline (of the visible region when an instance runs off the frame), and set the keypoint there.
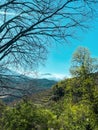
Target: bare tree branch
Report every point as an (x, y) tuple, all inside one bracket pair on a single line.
[(33, 22), (28, 27)]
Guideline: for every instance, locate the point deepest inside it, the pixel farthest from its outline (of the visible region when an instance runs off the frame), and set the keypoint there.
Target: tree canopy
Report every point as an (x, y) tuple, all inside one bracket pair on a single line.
[(71, 105), (82, 62)]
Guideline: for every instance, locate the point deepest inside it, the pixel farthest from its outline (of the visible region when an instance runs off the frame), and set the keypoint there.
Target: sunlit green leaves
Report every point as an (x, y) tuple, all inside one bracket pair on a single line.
[(82, 63)]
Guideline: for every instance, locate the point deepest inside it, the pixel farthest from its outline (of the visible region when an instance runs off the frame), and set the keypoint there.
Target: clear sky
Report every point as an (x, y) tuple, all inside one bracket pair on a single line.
[(59, 57)]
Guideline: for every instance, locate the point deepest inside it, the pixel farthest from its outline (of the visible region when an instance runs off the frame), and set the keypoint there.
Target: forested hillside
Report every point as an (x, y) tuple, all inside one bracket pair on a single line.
[(35, 37), (71, 104), (15, 87)]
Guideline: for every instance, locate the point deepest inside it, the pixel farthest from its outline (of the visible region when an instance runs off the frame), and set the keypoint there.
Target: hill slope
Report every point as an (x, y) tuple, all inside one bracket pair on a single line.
[(16, 86)]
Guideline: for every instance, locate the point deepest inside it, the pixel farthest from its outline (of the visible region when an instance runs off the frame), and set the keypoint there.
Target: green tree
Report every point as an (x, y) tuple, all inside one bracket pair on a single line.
[(82, 63), (27, 116), (78, 117)]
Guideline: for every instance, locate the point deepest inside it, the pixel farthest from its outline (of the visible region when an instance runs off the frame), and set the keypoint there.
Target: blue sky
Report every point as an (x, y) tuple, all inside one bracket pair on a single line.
[(59, 57)]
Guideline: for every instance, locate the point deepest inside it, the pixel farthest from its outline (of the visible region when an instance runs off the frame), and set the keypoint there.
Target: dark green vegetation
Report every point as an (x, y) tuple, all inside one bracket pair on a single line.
[(28, 28), (71, 104), (74, 109)]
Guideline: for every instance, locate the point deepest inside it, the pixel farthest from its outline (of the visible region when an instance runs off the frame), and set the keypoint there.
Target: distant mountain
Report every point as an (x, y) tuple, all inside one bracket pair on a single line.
[(14, 85), (7, 71), (53, 76)]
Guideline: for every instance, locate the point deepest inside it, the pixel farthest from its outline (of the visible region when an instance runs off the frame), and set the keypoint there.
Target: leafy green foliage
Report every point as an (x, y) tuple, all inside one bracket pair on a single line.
[(77, 110), (27, 116), (58, 92), (2, 109), (77, 117), (73, 107), (79, 106), (82, 63)]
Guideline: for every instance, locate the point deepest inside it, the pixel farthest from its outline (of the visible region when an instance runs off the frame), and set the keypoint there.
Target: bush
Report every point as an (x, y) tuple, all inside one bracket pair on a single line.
[(27, 116)]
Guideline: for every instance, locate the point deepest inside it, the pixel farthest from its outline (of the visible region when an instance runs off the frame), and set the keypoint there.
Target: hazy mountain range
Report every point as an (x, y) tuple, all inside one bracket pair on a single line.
[(13, 85)]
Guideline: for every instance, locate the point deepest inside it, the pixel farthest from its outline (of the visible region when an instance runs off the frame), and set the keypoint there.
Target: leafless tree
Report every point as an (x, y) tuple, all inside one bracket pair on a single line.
[(28, 27)]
